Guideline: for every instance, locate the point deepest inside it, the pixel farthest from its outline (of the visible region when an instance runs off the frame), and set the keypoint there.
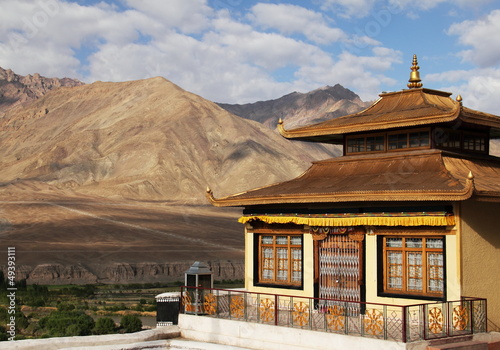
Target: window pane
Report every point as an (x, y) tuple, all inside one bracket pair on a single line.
[(414, 263), (395, 265), (398, 141), (394, 242), (268, 264), (436, 243), (296, 240), (281, 239), (435, 266), (267, 239), (356, 145), (296, 265), (414, 243), (282, 254), (419, 139), (375, 143)]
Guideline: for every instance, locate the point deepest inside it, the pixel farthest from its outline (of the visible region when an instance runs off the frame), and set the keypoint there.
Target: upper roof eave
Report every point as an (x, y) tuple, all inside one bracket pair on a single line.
[(406, 108)]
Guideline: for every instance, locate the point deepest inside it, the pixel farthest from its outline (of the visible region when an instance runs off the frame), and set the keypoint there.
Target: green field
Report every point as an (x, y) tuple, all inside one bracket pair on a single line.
[(38, 310)]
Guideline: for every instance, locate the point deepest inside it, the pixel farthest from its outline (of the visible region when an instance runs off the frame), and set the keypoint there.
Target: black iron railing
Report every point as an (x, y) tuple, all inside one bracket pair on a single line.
[(382, 321)]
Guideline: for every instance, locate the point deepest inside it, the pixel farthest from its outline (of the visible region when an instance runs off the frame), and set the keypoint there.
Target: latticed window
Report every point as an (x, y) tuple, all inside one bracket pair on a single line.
[(280, 259), (414, 265)]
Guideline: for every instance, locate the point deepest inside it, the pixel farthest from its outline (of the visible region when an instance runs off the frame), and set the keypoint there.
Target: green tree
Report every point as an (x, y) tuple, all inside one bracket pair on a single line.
[(67, 323), (104, 325), (131, 323)]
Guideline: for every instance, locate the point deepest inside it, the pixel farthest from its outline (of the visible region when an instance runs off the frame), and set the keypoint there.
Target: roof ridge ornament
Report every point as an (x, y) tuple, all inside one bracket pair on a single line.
[(415, 81)]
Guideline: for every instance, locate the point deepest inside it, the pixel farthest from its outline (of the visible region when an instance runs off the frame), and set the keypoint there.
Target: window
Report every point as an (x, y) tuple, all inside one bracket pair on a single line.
[(355, 145), (447, 138), (474, 142), (280, 259), (375, 143), (419, 139), (394, 141), (414, 266), (462, 140), (397, 141)]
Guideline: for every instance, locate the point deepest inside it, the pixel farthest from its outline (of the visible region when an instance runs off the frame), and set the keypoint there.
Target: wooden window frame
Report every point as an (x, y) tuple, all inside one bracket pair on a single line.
[(386, 136), (407, 132), (459, 136), (405, 291), (275, 281), (475, 138)]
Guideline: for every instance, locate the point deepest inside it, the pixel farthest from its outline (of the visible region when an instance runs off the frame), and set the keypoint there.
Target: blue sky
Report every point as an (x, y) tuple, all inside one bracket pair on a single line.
[(241, 51)]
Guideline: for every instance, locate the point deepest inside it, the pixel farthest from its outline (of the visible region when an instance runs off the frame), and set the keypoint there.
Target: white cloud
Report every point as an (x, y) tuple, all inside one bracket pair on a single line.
[(203, 50), (349, 8), (292, 19), (188, 16), (363, 74), (482, 36)]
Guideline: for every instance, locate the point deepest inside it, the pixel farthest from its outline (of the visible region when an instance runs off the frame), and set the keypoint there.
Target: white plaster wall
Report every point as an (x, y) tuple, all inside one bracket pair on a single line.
[(268, 337)]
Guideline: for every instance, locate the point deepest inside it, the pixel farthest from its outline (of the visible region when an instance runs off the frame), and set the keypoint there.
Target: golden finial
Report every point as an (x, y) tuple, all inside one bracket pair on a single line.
[(470, 176), (414, 81), (280, 121), (459, 99)]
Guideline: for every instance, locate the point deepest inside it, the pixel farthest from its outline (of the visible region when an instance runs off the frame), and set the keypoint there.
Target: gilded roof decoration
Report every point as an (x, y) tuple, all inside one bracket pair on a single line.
[(414, 81)]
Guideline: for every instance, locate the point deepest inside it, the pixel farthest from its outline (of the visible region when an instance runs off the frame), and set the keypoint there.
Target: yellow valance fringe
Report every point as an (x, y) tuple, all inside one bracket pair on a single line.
[(447, 220)]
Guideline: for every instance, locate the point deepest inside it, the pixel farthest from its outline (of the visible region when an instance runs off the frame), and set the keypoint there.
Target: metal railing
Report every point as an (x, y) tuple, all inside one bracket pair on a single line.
[(381, 321)]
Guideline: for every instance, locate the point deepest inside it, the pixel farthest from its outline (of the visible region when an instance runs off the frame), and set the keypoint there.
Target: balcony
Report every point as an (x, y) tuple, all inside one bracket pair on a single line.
[(410, 323)]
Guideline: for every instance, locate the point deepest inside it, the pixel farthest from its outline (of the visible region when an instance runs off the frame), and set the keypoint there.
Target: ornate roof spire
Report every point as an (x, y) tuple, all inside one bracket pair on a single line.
[(414, 81)]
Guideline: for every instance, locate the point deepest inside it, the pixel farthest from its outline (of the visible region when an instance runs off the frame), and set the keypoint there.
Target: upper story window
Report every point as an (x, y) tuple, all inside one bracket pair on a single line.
[(474, 142), (392, 141), (461, 140), (397, 141)]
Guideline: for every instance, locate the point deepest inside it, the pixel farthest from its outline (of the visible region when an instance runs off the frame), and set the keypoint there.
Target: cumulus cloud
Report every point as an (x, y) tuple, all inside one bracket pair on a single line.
[(226, 54), (349, 8), (479, 35), (292, 19), (363, 74)]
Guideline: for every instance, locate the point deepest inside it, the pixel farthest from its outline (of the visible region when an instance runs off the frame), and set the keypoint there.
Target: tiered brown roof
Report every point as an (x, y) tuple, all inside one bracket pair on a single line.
[(403, 176), (427, 175), (414, 107)]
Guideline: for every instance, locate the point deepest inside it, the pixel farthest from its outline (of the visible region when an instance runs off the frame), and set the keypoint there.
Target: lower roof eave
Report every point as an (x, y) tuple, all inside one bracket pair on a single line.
[(386, 196)]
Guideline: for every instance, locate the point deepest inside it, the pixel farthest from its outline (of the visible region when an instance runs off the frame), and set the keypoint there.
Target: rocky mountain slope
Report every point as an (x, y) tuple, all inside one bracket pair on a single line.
[(143, 140), (17, 89), (106, 181), (298, 109)]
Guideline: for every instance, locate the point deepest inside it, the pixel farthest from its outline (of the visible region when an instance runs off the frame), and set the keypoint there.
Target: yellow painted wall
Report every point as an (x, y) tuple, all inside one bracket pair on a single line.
[(480, 249), (307, 291)]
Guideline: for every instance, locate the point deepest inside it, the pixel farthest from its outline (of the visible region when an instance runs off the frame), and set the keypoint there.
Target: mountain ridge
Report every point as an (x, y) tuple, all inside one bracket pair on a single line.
[(17, 89), (298, 109), (141, 139)]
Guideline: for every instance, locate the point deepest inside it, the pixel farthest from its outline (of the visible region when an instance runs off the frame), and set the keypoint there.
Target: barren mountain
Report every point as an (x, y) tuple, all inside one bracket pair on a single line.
[(301, 108), (146, 140), (17, 89)]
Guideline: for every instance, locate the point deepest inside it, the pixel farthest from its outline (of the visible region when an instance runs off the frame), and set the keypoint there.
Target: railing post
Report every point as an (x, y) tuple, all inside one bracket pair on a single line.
[(276, 314), (424, 323), (404, 323), (181, 301), (471, 315)]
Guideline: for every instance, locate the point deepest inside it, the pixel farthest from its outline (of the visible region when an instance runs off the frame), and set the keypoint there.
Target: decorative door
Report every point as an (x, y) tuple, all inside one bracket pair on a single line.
[(340, 267)]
